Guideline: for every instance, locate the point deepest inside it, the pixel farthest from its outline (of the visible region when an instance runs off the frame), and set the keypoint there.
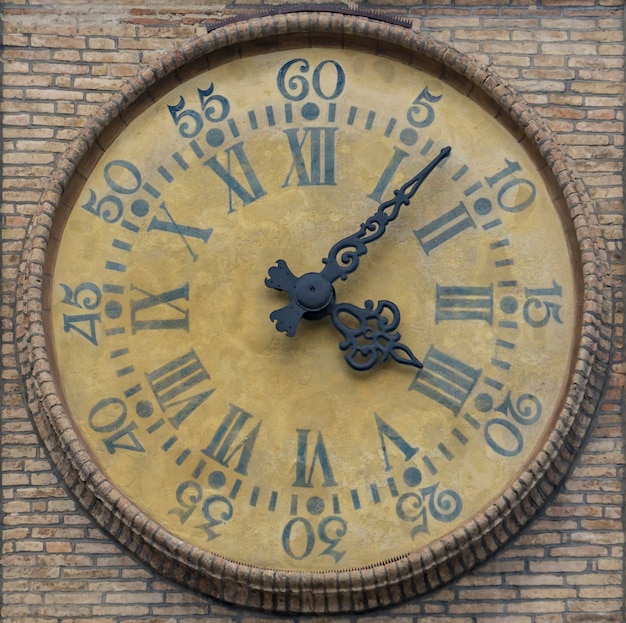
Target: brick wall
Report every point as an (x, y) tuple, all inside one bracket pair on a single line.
[(61, 60)]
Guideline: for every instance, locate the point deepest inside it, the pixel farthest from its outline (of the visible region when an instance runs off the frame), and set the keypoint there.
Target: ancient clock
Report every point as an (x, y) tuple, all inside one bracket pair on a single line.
[(318, 313)]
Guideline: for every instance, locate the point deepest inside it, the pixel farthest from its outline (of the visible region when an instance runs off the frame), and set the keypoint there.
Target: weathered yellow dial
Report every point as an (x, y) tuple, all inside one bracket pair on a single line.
[(256, 452)]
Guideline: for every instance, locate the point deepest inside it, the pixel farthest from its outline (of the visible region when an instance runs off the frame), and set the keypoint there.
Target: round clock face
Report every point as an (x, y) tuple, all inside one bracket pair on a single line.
[(265, 451), (219, 426)]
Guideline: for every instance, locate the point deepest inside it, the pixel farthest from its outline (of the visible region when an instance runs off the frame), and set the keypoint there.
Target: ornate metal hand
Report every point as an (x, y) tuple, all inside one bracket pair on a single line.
[(343, 257), (373, 337), (312, 295)]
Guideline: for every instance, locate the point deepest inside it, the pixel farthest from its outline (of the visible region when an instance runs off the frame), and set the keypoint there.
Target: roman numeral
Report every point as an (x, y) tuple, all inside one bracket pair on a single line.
[(236, 186), (174, 383), (158, 311), (306, 466), (317, 168), (386, 431), (231, 440), (184, 231), (464, 303), (385, 179), (444, 228), (445, 379)]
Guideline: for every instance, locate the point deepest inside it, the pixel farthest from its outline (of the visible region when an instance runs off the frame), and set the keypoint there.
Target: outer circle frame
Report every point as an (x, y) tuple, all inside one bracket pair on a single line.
[(422, 570)]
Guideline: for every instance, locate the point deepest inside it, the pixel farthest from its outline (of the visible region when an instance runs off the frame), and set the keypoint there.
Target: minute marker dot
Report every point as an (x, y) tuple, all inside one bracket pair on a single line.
[(409, 137), (216, 479), (508, 304), (215, 137), (412, 476), (315, 505), (483, 402), (310, 111), (144, 409), (482, 206), (113, 310)]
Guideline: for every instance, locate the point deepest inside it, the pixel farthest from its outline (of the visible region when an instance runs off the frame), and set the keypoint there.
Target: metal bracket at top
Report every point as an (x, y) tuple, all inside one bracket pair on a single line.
[(311, 8)]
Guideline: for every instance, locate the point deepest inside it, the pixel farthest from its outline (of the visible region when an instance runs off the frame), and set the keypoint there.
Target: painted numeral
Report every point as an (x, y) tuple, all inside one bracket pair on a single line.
[(183, 231), (294, 85), (158, 311), (390, 170), (516, 194), (124, 439), (187, 500), (305, 465), (445, 379), (231, 439), (505, 436), (444, 228), (464, 303), (235, 186), (317, 167), (386, 431), (174, 383), (422, 114), (331, 531), (189, 122), (109, 416), (86, 296), (511, 167), (549, 310), (217, 510)]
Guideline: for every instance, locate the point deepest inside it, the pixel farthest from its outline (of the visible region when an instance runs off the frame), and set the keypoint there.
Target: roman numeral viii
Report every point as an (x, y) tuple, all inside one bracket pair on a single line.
[(180, 386)]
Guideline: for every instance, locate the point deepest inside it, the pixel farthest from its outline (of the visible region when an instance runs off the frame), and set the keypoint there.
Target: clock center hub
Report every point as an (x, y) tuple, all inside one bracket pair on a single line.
[(313, 292)]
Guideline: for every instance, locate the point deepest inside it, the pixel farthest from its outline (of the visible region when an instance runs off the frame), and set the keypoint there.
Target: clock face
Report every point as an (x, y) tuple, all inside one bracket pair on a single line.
[(268, 451)]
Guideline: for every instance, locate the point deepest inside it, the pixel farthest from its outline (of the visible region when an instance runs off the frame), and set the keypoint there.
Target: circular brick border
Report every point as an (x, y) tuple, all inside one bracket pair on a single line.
[(384, 584)]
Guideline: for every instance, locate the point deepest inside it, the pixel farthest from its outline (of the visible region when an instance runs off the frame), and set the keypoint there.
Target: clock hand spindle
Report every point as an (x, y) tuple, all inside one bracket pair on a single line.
[(312, 295)]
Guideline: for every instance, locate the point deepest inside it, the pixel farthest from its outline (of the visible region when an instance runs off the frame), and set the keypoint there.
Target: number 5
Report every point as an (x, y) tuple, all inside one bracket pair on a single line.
[(421, 107)]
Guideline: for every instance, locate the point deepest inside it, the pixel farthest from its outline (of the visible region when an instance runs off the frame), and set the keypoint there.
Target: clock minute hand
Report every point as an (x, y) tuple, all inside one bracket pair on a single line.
[(312, 295), (343, 257)]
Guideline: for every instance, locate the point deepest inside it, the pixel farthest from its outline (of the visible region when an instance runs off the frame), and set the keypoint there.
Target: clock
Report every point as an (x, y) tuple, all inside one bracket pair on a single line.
[(311, 313)]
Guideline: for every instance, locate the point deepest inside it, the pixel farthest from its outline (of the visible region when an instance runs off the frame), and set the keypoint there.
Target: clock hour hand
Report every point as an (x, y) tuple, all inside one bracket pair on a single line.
[(369, 334)]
